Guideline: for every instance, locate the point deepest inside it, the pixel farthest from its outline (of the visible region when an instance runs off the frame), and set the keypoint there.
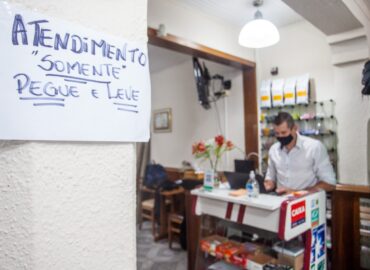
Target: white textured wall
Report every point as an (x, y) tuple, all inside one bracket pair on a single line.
[(353, 113), (72, 205), (190, 23), (175, 88), (302, 49)]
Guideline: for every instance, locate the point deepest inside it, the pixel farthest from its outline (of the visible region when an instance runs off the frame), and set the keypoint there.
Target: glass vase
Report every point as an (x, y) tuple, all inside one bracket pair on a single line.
[(216, 178), (211, 179)]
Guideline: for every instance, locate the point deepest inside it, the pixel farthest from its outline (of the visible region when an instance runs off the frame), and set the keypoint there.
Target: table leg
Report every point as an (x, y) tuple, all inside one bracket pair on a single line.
[(162, 220)]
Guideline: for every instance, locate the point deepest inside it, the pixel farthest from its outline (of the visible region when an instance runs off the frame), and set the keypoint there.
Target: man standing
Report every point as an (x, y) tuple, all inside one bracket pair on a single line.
[(297, 162)]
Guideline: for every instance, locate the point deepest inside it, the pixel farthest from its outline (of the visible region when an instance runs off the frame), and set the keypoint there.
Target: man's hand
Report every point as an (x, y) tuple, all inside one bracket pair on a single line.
[(269, 185)]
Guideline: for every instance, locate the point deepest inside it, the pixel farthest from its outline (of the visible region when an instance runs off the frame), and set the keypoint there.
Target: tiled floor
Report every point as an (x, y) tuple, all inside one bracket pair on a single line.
[(157, 255)]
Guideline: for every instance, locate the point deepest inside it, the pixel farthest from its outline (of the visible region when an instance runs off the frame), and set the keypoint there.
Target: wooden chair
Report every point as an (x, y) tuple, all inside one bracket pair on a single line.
[(174, 218), (148, 209), (148, 203), (174, 227), (147, 212)]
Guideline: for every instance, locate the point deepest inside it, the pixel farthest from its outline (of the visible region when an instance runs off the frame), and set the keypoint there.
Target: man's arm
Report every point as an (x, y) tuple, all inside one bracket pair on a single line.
[(322, 185), (323, 170), (271, 175)]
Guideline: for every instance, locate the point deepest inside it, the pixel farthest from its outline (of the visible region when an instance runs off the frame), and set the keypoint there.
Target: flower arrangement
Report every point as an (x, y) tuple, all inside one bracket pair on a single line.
[(212, 149)]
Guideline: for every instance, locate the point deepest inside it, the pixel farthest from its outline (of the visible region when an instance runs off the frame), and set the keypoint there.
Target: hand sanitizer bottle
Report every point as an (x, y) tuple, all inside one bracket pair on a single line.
[(253, 189)]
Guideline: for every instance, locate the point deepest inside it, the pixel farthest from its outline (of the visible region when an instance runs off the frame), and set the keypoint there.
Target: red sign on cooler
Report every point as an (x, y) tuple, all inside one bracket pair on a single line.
[(298, 213)]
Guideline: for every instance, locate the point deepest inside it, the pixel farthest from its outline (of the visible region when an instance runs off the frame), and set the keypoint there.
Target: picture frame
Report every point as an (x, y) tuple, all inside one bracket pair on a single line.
[(162, 120)]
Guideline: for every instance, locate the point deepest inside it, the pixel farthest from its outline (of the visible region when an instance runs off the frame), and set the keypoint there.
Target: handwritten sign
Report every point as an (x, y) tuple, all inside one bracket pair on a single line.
[(62, 81)]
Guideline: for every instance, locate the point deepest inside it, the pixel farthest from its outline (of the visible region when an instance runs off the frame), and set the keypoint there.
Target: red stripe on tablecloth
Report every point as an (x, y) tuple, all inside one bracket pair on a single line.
[(282, 220), (307, 249), (229, 210), (241, 214)]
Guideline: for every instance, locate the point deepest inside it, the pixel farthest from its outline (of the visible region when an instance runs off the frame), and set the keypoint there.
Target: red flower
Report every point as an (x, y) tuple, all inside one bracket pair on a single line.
[(212, 149), (201, 147), (219, 139), (229, 145)]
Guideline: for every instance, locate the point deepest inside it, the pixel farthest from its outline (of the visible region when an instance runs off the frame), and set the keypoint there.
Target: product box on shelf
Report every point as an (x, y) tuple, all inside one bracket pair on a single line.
[(295, 262), (240, 258), (290, 253), (227, 249), (209, 244), (258, 261), (222, 265), (277, 267)]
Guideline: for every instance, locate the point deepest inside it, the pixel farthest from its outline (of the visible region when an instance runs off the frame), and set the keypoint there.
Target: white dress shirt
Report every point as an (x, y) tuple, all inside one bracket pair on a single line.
[(302, 167)]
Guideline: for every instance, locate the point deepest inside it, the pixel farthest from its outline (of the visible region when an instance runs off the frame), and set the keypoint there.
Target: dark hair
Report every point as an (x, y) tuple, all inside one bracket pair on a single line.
[(284, 117)]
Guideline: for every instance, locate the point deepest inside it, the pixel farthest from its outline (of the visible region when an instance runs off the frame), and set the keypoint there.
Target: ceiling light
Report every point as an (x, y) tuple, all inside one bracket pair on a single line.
[(258, 33)]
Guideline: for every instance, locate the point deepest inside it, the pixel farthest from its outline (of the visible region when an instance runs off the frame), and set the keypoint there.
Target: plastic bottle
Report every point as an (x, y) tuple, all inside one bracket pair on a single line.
[(253, 189)]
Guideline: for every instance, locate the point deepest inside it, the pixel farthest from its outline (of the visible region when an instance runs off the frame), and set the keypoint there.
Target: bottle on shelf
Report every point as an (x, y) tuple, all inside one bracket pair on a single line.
[(319, 127), (253, 189)]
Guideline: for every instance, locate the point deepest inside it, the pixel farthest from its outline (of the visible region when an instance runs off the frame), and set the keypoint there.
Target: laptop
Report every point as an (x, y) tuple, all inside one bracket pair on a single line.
[(238, 180)]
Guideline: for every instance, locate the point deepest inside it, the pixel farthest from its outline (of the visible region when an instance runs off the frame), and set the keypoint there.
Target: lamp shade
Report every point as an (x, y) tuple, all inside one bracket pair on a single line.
[(259, 33)]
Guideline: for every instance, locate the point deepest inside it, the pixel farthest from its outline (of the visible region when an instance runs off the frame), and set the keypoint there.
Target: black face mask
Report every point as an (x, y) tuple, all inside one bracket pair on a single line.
[(285, 140)]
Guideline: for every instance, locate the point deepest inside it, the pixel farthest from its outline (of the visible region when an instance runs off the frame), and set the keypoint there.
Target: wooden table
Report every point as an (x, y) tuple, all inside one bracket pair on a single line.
[(346, 226), (192, 224)]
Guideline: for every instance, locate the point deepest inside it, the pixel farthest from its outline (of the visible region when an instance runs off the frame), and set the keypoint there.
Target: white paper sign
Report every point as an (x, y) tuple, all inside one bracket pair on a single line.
[(62, 81)]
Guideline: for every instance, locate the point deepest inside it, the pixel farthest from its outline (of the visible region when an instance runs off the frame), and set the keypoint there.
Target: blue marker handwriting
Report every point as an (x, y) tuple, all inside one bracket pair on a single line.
[(48, 63), (58, 88), (37, 34)]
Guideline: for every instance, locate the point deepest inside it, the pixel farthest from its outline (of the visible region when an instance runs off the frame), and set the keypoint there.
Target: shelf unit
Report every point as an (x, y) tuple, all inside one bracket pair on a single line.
[(364, 232), (274, 218), (346, 239)]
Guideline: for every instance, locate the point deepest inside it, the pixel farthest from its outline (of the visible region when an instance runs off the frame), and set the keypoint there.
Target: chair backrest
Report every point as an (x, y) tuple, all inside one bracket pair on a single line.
[(155, 175)]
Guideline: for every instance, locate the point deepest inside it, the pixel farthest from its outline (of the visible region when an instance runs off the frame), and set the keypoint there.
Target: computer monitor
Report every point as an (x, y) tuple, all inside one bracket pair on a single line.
[(243, 165)]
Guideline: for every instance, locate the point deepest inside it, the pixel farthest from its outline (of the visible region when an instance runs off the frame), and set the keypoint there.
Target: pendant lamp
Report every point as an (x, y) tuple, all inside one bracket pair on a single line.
[(258, 33)]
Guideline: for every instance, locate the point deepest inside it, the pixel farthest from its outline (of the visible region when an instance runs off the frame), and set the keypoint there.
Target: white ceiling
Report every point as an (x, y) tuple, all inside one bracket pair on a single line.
[(330, 16), (238, 12)]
